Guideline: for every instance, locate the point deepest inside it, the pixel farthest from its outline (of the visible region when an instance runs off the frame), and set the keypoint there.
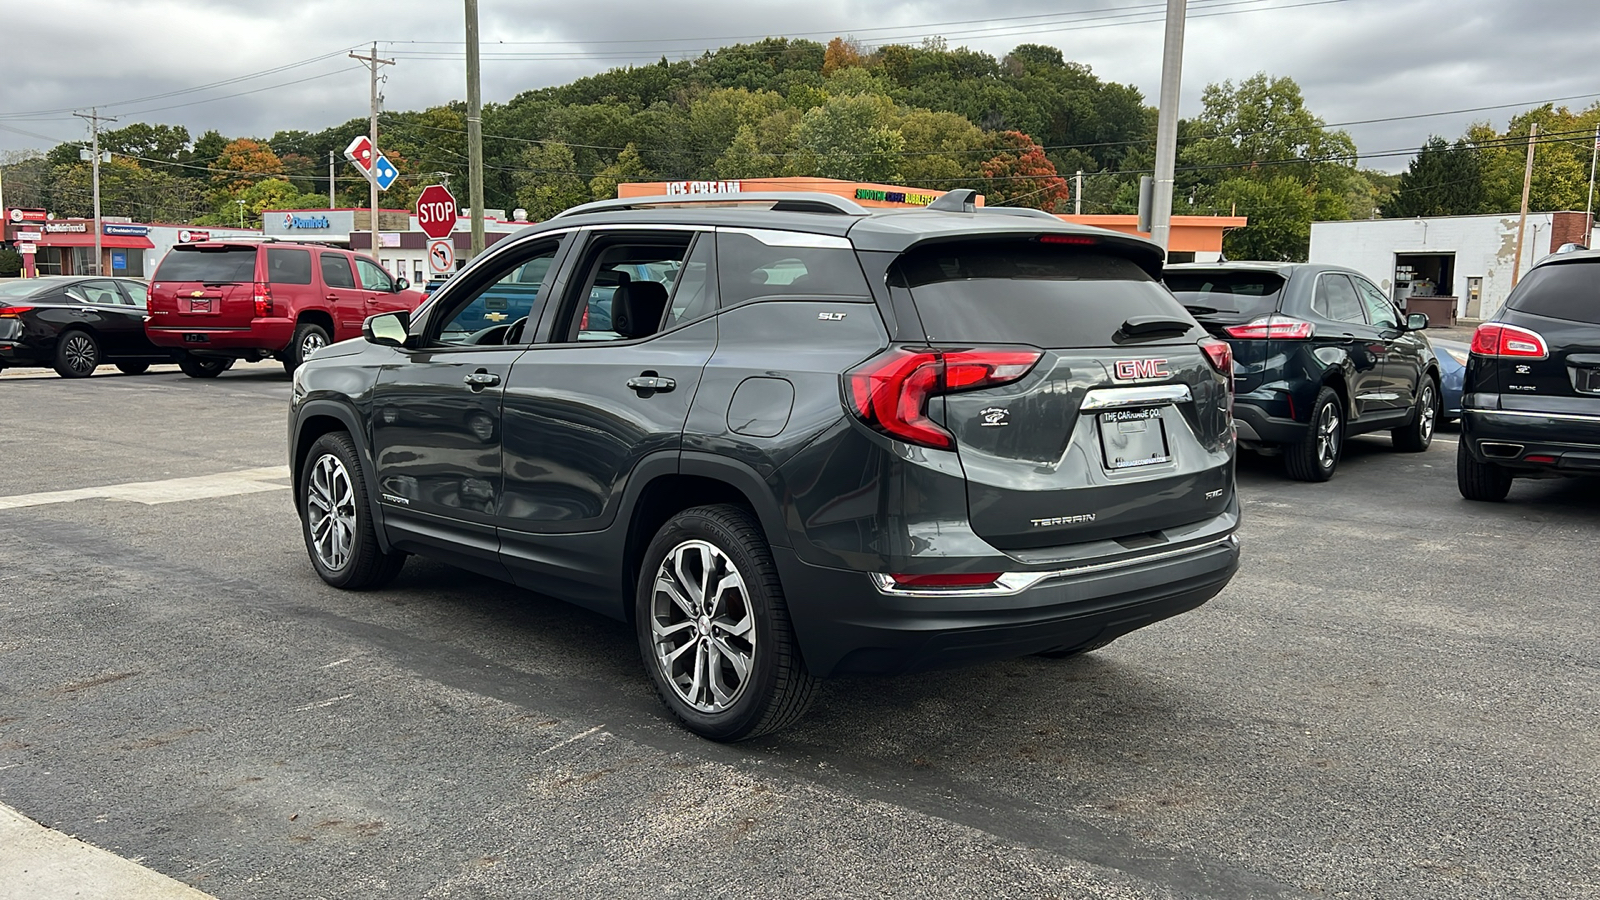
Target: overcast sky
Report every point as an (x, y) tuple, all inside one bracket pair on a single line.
[(1354, 59)]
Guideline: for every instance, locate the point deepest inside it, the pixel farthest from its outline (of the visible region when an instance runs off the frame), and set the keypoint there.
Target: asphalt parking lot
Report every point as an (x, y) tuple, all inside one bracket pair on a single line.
[(1398, 696)]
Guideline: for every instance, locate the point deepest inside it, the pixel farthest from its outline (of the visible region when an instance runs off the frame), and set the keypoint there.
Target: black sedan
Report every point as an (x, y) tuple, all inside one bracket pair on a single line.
[(74, 324)]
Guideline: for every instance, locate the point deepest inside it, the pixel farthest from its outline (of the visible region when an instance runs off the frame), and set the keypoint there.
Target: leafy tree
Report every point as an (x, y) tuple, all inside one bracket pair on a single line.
[(1021, 175), (549, 181), (10, 263), (243, 162), (1281, 209), (849, 137), (1262, 126), (1561, 159), (1441, 180), (841, 54), (942, 149), (151, 143), (207, 150), (628, 167), (744, 158)]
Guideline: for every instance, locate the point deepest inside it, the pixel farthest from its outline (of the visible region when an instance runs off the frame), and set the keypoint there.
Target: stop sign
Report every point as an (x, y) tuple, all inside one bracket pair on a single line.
[(436, 211)]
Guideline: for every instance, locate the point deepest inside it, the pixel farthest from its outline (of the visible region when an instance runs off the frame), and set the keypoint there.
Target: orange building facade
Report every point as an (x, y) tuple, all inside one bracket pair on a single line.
[(1194, 238)]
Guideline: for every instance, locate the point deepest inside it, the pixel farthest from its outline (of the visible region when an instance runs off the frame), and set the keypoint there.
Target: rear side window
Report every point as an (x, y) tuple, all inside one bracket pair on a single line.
[(1561, 291), (782, 263), (1005, 292), (1336, 299), (1246, 294), (286, 265), (336, 271), (224, 265)]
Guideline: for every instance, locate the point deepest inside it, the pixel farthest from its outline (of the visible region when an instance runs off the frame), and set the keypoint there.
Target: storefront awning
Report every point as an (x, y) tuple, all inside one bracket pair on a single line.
[(112, 241)]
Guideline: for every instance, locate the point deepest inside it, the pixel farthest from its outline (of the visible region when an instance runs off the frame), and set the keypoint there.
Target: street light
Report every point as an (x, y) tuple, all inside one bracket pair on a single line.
[(241, 214)]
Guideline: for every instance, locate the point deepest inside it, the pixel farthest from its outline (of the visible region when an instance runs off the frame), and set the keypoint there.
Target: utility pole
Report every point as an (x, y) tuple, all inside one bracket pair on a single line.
[(330, 179), (1527, 185), (1588, 207), (474, 130), (94, 118), (1077, 194), (1167, 123), (373, 62)]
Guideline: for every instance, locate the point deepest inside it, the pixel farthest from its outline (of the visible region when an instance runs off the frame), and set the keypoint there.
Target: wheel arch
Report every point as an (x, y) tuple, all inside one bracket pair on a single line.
[(316, 316), (316, 418)]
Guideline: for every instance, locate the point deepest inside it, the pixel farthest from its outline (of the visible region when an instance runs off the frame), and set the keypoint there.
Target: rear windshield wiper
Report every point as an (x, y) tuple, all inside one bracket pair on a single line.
[(1147, 326), (1201, 310)]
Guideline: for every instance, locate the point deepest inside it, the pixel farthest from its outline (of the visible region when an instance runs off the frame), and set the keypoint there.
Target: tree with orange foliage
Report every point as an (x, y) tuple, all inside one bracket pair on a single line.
[(842, 54), (243, 163), (1021, 175)]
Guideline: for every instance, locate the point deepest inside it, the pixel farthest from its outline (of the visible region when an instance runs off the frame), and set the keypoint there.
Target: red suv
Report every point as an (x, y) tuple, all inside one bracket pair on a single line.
[(227, 300)]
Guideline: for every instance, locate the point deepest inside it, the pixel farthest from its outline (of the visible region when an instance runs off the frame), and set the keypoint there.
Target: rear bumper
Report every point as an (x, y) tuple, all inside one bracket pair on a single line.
[(1256, 426), (846, 624), (260, 334), (1508, 437)]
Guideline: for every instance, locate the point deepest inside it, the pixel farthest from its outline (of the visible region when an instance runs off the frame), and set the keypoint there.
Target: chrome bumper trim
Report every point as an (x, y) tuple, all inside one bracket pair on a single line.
[(1568, 417)]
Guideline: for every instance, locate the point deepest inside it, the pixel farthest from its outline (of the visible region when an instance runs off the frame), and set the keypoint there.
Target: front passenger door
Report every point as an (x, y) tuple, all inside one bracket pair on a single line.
[(1403, 359)]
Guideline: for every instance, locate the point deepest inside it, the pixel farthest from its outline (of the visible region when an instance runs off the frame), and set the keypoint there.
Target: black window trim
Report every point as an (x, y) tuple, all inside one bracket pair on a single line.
[(423, 329)]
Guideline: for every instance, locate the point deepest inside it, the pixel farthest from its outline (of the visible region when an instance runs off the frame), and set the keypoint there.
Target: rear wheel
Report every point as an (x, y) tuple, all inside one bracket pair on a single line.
[(77, 354), (133, 368), (714, 629), (308, 339), (1480, 480), (1316, 455), (204, 366), (1416, 437), (336, 518)]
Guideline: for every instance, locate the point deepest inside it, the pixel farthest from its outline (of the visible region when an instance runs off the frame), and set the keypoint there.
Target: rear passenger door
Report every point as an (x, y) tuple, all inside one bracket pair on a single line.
[(1345, 328), (346, 300)]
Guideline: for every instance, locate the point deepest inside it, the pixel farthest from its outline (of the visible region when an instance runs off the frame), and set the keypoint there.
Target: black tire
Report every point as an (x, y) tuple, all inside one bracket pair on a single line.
[(204, 366), (1313, 459), (776, 688), (77, 354), (133, 368), (1416, 437), (362, 564), (309, 337), (1482, 481)]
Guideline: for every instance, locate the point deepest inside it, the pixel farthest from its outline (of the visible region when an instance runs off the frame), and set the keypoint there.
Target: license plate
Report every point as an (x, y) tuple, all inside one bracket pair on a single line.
[(1587, 380), (195, 338), (199, 306), (1130, 438)]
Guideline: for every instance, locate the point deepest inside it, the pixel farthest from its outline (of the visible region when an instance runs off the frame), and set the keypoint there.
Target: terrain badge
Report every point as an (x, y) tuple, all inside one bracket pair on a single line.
[(996, 417)]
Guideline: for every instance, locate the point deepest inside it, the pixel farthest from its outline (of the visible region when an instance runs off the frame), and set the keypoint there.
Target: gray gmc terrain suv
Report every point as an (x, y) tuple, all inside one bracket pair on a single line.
[(810, 439)]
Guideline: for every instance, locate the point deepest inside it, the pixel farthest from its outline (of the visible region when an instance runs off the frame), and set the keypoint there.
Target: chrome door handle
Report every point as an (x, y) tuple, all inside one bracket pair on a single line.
[(651, 383), (481, 380)]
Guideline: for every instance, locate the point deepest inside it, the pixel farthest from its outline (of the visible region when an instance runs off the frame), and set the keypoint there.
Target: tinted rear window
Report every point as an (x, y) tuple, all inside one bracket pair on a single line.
[(286, 265), (1247, 294), (748, 268), (1029, 294), (224, 266), (1561, 291)]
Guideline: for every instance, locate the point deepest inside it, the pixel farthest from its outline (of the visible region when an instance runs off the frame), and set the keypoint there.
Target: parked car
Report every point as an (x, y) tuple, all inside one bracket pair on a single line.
[(74, 324), (1532, 405), (1319, 354), (219, 301), (812, 439), (1452, 359)]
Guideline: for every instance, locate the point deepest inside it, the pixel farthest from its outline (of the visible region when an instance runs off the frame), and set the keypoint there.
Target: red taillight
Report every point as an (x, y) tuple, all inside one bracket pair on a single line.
[(263, 297), (983, 579), (890, 392), (1079, 240), (1495, 339), (13, 312), (1220, 354), (1272, 327), (1543, 460), (583, 325)]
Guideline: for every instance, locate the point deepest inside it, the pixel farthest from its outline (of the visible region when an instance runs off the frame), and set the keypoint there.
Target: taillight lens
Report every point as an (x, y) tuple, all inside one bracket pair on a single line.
[(891, 392), (1495, 339), (263, 297), (1220, 354), (1274, 327), (982, 579), (13, 312)]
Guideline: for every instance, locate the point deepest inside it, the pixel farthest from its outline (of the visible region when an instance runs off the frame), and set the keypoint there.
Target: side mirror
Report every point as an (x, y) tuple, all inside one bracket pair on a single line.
[(1416, 322), (390, 329), (401, 284)]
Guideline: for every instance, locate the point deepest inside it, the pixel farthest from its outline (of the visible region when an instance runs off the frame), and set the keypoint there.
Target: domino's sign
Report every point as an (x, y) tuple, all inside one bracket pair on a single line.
[(292, 221)]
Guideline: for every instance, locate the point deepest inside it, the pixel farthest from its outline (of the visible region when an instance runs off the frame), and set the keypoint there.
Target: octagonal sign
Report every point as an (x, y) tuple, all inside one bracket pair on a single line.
[(436, 211)]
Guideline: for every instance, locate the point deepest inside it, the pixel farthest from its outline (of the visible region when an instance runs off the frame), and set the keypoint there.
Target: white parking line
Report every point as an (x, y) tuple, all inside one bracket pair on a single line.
[(170, 490)]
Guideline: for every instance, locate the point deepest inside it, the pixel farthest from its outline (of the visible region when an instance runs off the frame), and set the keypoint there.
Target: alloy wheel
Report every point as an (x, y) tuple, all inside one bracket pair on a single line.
[(1428, 411), (1328, 437), (311, 343), (702, 626), (79, 351), (331, 512)]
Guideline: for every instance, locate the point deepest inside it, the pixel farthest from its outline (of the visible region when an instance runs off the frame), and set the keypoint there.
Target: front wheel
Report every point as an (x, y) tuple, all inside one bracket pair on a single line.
[(1483, 481), (308, 339), (1416, 437), (204, 366), (133, 368), (336, 518), (77, 355), (1317, 454), (714, 629)]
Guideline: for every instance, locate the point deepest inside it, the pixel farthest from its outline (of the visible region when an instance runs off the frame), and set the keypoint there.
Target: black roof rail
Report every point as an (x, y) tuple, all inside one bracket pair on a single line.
[(777, 201)]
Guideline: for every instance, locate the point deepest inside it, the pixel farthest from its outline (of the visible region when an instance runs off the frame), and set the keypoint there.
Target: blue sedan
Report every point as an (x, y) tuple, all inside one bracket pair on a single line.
[(1452, 356)]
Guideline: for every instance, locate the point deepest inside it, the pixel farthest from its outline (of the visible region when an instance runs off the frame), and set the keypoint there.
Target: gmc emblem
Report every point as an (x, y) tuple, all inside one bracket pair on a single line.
[(1135, 369)]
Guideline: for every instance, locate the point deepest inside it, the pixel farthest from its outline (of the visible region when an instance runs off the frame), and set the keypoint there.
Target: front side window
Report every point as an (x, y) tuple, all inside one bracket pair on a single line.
[(1336, 299), (373, 278), (1379, 310), (498, 312), (336, 271)]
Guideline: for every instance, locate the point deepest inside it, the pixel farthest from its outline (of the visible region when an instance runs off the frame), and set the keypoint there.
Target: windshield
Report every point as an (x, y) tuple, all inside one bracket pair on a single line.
[(1248, 294), (229, 265)]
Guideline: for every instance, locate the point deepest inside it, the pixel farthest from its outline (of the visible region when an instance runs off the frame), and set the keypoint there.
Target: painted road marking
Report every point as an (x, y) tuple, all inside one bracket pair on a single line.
[(170, 490)]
